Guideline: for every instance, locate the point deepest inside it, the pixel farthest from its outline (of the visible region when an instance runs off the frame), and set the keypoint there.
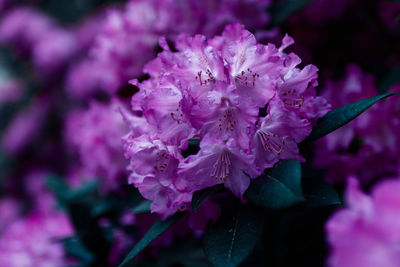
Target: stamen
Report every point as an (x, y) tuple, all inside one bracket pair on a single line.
[(290, 99), (270, 143), (221, 168), (247, 77), (162, 161), (227, 119)]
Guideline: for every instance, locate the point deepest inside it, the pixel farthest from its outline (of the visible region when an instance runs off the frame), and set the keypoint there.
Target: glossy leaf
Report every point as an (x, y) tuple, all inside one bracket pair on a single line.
[(279, 188), (200, 196), (229, 241), (338, 117), (319, 193), (155, 231), (142, 207)]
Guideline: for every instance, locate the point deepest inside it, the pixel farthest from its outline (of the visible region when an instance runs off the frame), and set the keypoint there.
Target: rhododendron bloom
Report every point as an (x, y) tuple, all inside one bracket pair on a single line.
[(216, 91), (34, 241), (96, 134), (367, 232)]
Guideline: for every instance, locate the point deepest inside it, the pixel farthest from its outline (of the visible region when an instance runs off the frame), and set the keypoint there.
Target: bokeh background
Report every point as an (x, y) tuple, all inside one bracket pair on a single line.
[(65, 67)]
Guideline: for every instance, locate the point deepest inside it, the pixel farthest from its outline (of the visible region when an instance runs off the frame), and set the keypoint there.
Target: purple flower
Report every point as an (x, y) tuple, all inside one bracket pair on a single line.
[(96, 135), (214, 91), (32, 241), (373, 134), (366, 232), (36, 35), (128, 37), (25, 127)]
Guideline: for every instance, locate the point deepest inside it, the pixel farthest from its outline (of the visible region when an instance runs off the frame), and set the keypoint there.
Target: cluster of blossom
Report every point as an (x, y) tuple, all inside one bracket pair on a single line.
[(128, 36), (36, 35), (370, 140), (367, 232), (33, 239), (96, 135), (248, 104)]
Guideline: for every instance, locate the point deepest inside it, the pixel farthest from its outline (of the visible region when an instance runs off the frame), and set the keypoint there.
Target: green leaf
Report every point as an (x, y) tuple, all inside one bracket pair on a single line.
[(336, 118), (279, 188), (282, 10), (319, 193), (155, 231), (142, 207), (229, 241), (390, 79), (200, 196), (74, 247)]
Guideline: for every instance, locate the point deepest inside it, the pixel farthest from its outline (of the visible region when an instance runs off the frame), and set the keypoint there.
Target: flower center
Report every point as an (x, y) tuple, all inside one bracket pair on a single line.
[(162, 161), (290, 99), (208, 77), (247, 77), (177, 115), (221, 167), (271, 142), (227, 121)]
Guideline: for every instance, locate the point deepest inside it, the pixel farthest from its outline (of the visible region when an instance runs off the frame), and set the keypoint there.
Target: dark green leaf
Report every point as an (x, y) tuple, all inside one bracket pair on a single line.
[(390, 79), (279, 188), (155, 231), (282, 10), (229, 241), (338, 117), (142, 207), (319, 193), (200, 196), (74, 247)]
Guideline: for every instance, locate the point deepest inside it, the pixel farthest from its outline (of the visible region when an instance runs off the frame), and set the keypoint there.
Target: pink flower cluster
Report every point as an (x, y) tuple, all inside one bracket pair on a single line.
[(49, 45), (32, 241), (128, 36), (368, 146), (367, 232), (248, 105), (95, 134)]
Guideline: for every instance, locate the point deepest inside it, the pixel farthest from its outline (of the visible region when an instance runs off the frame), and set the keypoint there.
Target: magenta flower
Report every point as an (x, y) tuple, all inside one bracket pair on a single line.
[(96, 135), (128, 37), (32, 241), (367, 232), (25, 127), (213, 90)]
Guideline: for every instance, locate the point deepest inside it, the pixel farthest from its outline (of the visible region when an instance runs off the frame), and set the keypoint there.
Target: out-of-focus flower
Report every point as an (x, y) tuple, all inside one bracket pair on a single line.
[(36, 35), (129, 37), (9, 212), (367, 232), (25, 127), (32, 241), (370, 140), (96, 135), (355, 86), (214, 91)]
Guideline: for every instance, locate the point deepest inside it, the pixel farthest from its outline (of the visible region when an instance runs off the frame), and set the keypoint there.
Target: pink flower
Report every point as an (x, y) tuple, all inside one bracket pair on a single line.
[(25, 127), (216, 164), (278, 135), (32, 241), (214, 91), (96, 135), (367, 232)]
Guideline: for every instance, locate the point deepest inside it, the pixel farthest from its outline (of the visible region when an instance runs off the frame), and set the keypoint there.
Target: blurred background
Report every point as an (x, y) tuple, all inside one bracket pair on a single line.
[(65, 67)]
